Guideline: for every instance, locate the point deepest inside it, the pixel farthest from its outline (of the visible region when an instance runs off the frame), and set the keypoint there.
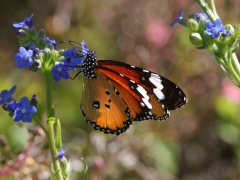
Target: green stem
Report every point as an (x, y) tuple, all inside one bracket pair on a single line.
[(50, 122), (213, 8), (203, 4), (234, 67), (48, 92), (37, 121)]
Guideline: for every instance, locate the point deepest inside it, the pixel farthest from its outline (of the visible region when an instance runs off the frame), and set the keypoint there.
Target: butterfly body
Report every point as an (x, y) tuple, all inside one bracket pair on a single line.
[(116, 94)]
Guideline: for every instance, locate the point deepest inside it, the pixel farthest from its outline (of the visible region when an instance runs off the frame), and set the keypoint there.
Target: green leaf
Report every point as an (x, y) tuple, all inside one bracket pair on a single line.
[(85, 173), (54, 176)]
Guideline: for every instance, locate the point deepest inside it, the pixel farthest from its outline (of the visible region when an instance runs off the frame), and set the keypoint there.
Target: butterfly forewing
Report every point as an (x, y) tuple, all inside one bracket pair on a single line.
[(163, 89), (142, 104)]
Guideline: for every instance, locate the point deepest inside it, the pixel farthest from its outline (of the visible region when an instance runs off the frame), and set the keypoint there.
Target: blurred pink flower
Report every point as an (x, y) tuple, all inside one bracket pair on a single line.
[(230, 91), (157, 32)]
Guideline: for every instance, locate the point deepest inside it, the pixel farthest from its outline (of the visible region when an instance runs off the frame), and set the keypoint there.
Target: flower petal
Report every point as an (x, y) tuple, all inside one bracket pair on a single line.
[(24, 101)]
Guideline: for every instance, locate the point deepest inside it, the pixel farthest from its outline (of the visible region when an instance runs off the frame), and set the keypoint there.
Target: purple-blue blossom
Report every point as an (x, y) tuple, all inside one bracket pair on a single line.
[(72, 58), (214, 29), (51, 42), (201, 16), (6, 95), (178, 19), (10, 106), (60, 70), (27, 22), (61, 153), (24, 58), (23, 110)]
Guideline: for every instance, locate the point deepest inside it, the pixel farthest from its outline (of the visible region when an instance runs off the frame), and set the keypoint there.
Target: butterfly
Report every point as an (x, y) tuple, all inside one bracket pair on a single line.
[(116, 94)]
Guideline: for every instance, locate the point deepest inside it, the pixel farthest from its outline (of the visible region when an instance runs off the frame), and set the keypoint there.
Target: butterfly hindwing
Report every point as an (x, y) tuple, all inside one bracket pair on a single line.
[(102, 107)]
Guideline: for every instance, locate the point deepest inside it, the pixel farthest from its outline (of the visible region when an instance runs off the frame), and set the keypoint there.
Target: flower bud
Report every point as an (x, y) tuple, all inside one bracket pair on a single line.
[(225, 38), (237, 32), (24, 42), (41, 44), (208, 40), (216, 51), (229, 28), (193, 25), (202, 25), (41, 34), (34, 100), (196, 39), (32, 33)]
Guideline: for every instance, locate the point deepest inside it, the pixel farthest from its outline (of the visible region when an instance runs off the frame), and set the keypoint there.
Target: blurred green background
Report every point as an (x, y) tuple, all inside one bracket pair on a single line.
[(200, 141)]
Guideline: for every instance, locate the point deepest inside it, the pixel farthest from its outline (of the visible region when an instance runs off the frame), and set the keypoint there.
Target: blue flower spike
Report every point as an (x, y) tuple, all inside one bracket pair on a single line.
[(23, 110), (178, 19), (214, 29), (26, 23), (6, 95), (60, 70), (24, 58)]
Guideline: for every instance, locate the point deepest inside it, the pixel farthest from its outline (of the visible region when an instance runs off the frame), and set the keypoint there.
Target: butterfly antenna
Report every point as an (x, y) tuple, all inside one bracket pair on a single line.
[(73, 43), (64, 42)]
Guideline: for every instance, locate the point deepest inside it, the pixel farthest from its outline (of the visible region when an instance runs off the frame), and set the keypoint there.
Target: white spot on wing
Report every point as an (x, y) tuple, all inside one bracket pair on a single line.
[(145, 98), (158, 93), (156, 81)]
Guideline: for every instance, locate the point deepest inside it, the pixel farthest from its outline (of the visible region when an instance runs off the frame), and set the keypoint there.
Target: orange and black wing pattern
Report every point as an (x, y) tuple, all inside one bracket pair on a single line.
[(115, 94), (102, 107)]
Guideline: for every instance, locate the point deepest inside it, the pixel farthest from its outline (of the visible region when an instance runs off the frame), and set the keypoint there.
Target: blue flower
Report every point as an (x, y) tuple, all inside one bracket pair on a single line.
[(201, 16), (179, 18), (226, 33), (85, 49), (61, 153), (214, 29), (6, 95), (51, 42), (10, 106), (24, 57), (60, 70), (23, 111), (72, 58), (35, 50), (27, 22)]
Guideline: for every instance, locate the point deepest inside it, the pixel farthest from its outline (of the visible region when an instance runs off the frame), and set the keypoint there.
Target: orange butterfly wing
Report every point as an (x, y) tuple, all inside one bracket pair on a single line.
[(102, 107), (173, 96), (142, 107)]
